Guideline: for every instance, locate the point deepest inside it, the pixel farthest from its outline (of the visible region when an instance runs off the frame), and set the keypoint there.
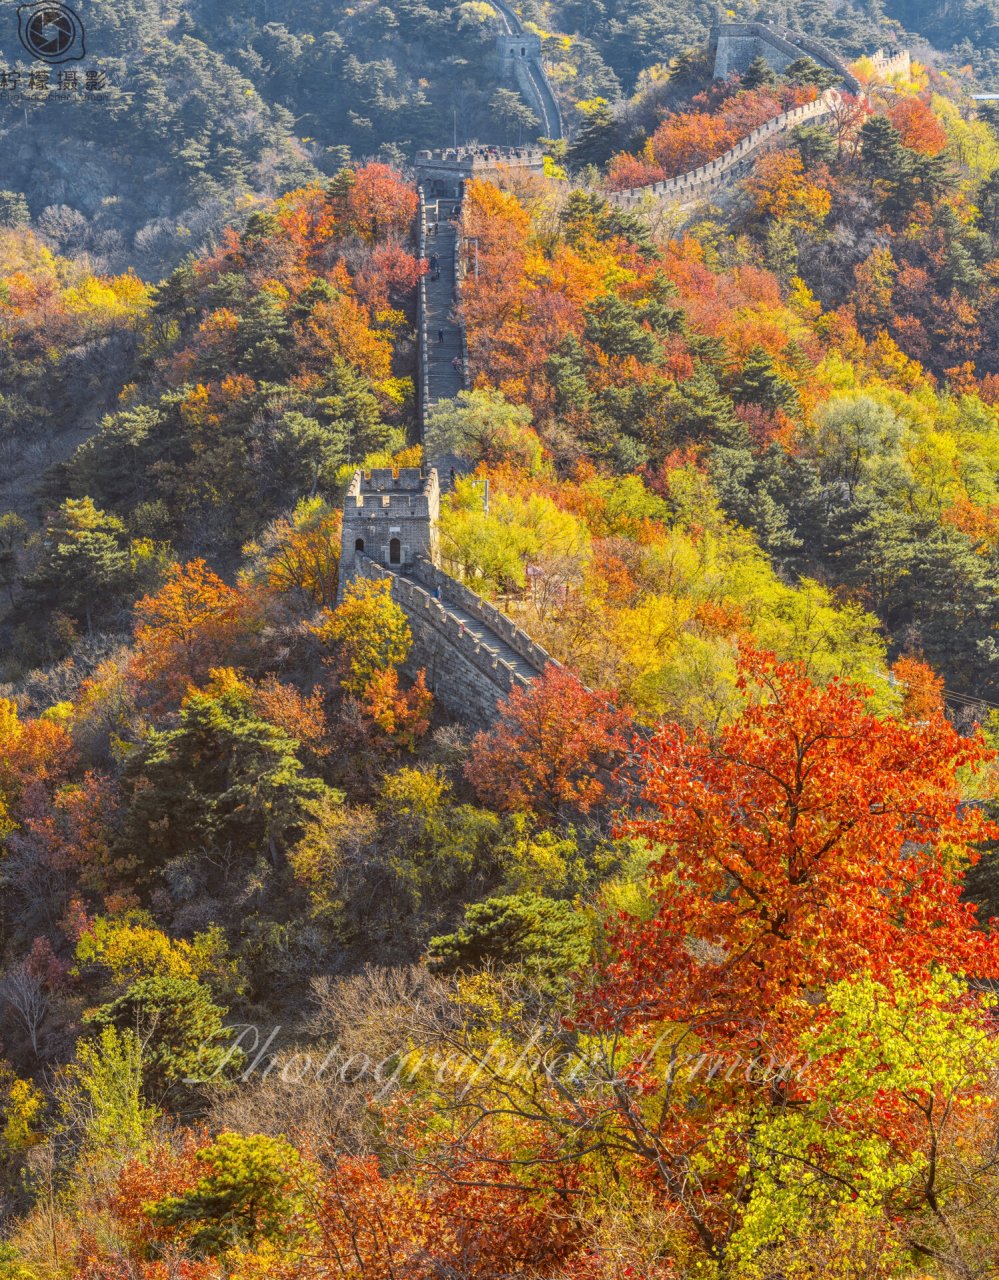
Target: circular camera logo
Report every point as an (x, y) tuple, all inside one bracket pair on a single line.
[(51, 32)]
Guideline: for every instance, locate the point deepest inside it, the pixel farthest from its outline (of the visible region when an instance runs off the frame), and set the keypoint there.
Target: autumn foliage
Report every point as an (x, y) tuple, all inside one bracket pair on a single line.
[(553, 749), (809, 841), (919, 127), (685, 140), (192, 624), (678, 968)]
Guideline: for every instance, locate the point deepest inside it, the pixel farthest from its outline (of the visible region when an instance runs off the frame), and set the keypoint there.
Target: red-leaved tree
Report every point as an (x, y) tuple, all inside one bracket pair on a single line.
[(553, 749), (808, 842)]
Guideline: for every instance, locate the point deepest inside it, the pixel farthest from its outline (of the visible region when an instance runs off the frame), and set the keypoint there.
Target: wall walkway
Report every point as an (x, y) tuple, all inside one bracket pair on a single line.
[(442, 364), (472, 654), (697, 183), (532, 80)]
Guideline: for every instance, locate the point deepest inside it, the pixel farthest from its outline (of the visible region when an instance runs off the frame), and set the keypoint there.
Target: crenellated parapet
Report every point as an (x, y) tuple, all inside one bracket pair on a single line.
[(888, 65), (457, 164), (390, 516), (468, 666), (700, 182), (473, 655), (457, 594)]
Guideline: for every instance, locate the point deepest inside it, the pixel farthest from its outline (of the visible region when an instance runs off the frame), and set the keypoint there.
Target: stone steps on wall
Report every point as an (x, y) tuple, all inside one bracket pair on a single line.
[(474, 627), (443, 380), (489, 640)]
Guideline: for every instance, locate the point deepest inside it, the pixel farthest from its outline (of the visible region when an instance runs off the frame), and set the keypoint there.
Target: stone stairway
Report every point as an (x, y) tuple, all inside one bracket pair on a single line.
[(444, 378), (474, 627), (489, 640)]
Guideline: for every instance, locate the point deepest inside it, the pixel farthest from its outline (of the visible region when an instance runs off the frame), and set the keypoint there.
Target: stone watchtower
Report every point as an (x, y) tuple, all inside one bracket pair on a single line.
[(510, 48), (390, 516)]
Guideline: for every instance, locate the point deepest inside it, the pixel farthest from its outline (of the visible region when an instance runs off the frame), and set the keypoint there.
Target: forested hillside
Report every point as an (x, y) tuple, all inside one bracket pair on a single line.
[(215, 106), (679, 965)]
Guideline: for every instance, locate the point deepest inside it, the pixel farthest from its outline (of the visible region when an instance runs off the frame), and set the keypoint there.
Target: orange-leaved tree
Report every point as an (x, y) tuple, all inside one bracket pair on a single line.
[(779, 189), (921, 130), (399, 718), (380, 203), (922, 688), (553, 749), (463, 1207), (808, 842), (189, 626)]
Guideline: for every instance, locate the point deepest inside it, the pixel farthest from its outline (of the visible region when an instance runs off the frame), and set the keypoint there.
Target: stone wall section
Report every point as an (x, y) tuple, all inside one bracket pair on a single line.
[(387, 510), (736, 44), (464, 677), (699, 182), (733, 47), (449, 167), (519, 53), (422, 334), (887, 65), (456, 593)]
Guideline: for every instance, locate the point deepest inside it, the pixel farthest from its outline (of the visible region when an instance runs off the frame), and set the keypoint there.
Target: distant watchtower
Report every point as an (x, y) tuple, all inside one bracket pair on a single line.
[(390, 517), (526, 45)]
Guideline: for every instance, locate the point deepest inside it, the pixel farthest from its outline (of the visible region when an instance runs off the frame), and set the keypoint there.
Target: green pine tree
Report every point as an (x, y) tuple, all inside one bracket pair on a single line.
[(224, 778), (545, 938), (179, 1028), (84, 570)]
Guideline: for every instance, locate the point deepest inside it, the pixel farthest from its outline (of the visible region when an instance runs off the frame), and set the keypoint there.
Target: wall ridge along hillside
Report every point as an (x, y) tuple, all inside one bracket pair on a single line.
[(734, 45), (472, 654), (520, 52), (689, 186)]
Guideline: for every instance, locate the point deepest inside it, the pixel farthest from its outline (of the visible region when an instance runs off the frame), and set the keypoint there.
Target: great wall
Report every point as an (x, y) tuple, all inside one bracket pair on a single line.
[(733, 46), (474, 655), (686, 188), (520, 56)]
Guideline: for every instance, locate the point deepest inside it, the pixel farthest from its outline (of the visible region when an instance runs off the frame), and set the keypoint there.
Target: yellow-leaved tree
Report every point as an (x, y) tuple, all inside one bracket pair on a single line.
[(371, 630)]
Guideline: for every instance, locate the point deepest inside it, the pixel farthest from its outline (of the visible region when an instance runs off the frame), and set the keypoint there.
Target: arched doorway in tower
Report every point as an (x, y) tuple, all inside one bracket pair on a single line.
[(359, 544), (395, 551)]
